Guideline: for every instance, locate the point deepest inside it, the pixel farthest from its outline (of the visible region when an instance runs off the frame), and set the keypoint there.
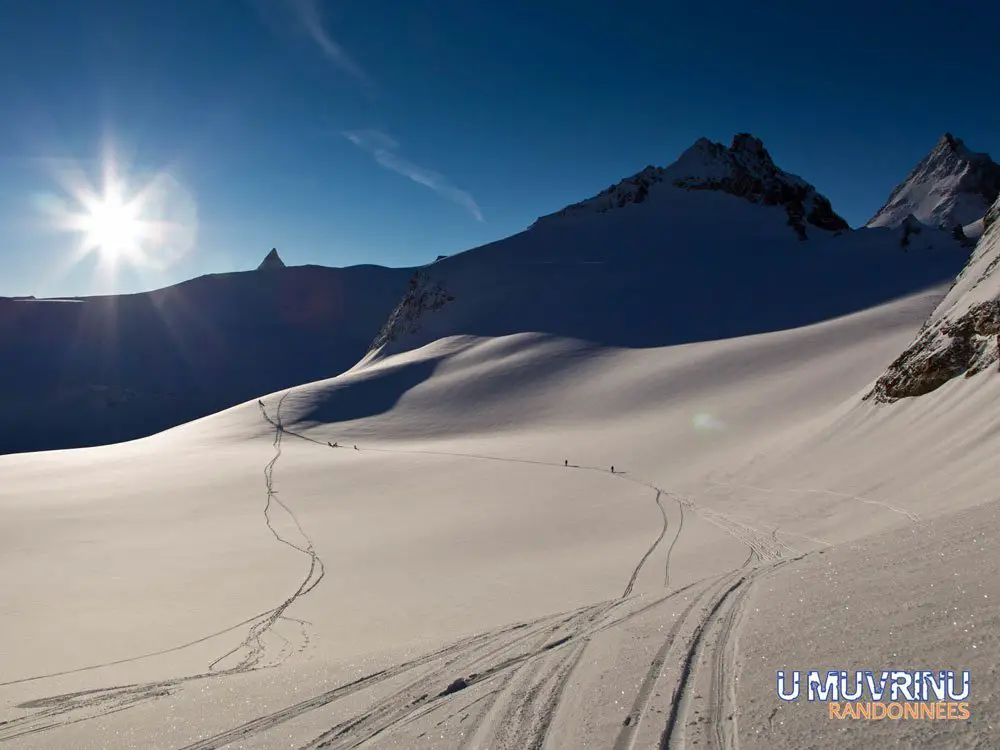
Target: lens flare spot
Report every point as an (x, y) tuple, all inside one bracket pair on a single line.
[(706, 422)]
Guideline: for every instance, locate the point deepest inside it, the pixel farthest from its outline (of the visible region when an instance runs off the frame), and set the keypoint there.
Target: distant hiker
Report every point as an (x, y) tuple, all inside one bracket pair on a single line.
[(612, 469), (566, 462)]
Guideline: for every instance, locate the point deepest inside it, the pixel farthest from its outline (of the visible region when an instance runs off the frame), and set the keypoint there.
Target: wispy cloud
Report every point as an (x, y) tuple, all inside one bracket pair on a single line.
[(310, 19), (383, 149)]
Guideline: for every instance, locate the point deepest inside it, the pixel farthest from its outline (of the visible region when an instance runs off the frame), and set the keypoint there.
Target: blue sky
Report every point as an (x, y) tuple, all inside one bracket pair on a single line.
[(391, 131)]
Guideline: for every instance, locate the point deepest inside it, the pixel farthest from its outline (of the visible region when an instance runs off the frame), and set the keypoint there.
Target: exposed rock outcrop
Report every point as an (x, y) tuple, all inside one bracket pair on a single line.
[(910, 227), (422, 296), (962, 335)]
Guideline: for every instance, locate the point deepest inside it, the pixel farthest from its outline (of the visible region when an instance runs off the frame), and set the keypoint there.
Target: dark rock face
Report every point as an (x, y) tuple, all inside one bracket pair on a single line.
[(423, 295), (744, 169), (910, 226)]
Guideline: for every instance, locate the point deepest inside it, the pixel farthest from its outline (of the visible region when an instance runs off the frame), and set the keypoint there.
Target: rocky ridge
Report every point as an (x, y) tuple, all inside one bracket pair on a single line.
[(744, 169)]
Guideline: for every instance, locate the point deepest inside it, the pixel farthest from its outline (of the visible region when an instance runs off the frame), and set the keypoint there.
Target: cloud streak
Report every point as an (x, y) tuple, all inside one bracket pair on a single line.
[(308, 16), (383, 149)]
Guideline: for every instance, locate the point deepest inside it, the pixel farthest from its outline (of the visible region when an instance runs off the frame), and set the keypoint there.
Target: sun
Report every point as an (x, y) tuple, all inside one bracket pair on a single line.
[(112, 226), (145, 220), (139, 221)]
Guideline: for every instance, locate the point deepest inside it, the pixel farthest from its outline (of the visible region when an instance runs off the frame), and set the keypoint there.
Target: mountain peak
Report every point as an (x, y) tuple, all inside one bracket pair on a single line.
[(749, 143), (745, 169), (271, 261), (951, 186)]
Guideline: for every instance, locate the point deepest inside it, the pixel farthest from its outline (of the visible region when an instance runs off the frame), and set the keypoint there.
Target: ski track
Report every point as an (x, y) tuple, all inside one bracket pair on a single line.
[(910, 515), (253, 645), (62, 710), (670, 549), (642, 561), (526, 666)]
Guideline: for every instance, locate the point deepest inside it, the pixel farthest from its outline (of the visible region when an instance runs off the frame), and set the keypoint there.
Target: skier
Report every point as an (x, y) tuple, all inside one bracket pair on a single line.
[(612, 469), (355, 446), (566, 462), (332, 445)]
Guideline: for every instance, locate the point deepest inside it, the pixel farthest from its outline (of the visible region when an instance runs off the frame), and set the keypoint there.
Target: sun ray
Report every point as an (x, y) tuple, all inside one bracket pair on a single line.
[(149, 226)]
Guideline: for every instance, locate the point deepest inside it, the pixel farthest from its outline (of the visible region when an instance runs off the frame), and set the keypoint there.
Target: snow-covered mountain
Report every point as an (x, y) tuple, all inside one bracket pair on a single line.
[(962, 335), (745, 170), (950, 187), (696, 251), (572, 536), (97, 370), (721, 243)]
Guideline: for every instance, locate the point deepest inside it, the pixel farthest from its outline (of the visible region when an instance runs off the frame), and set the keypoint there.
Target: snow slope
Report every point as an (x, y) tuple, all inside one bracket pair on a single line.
[(593, 485), (951, 186), (104, 369), (719, 231), (238, 582), (682, 266)]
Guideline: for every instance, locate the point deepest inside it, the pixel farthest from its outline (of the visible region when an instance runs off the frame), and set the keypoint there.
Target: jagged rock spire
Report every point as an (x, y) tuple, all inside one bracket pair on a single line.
[(272, 261)]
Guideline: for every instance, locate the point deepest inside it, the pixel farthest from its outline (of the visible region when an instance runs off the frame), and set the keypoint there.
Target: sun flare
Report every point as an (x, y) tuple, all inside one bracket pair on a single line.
[(112, 226), (143, 220)]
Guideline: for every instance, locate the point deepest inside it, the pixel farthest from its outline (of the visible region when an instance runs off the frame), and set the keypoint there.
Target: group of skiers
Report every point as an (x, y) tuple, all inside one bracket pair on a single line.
[(337, 445), (566, 463)]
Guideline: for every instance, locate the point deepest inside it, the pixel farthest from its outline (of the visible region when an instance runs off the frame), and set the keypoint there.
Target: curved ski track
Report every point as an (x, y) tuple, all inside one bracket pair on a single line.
[(501, 688), (71, 708)]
